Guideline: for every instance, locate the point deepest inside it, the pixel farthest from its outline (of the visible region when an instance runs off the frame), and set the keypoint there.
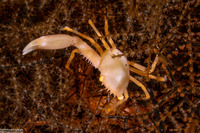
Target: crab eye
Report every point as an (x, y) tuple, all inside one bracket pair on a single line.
[(101, 78)]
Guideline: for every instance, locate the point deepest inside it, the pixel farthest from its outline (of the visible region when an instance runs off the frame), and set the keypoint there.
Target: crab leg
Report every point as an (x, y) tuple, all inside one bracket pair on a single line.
[(142, 87), (107, 33), (99, 35), (70, 59), (153, 66), (96, 45), (145, 74), (138, 66), (60, 41), (142, 68)]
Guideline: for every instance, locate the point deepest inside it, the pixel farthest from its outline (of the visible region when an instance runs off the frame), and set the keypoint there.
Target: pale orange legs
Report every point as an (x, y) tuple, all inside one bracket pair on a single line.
[(99, 49), (70, 59), (141, 70), (107, 34)]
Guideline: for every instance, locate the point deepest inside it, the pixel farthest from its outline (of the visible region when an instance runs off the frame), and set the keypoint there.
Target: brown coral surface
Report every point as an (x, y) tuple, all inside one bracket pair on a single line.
[(38, 94)]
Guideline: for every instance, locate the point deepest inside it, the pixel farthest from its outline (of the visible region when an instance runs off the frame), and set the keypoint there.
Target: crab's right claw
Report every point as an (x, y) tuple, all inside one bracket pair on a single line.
[(58, 41)]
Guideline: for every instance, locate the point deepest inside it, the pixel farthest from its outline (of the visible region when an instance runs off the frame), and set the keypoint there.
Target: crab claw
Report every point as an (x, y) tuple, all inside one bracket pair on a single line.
[(60, 41), (51, 42)]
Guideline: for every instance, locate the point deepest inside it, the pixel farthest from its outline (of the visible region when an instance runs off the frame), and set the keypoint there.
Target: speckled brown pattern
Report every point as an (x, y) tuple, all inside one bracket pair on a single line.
[(40, 95)]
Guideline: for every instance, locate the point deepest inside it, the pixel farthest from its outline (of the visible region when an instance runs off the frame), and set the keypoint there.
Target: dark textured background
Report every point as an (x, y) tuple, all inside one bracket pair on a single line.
[(39, 95)]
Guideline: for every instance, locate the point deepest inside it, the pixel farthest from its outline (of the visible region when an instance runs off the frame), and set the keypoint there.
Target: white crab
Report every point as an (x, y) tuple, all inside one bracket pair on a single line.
[(112, 64)]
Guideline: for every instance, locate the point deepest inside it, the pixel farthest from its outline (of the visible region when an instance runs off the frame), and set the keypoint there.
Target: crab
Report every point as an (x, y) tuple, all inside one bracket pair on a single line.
[(113, 65)]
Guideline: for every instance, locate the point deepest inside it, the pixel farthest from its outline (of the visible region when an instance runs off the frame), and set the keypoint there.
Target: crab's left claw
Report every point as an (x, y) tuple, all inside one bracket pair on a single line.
[(58, 41)]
